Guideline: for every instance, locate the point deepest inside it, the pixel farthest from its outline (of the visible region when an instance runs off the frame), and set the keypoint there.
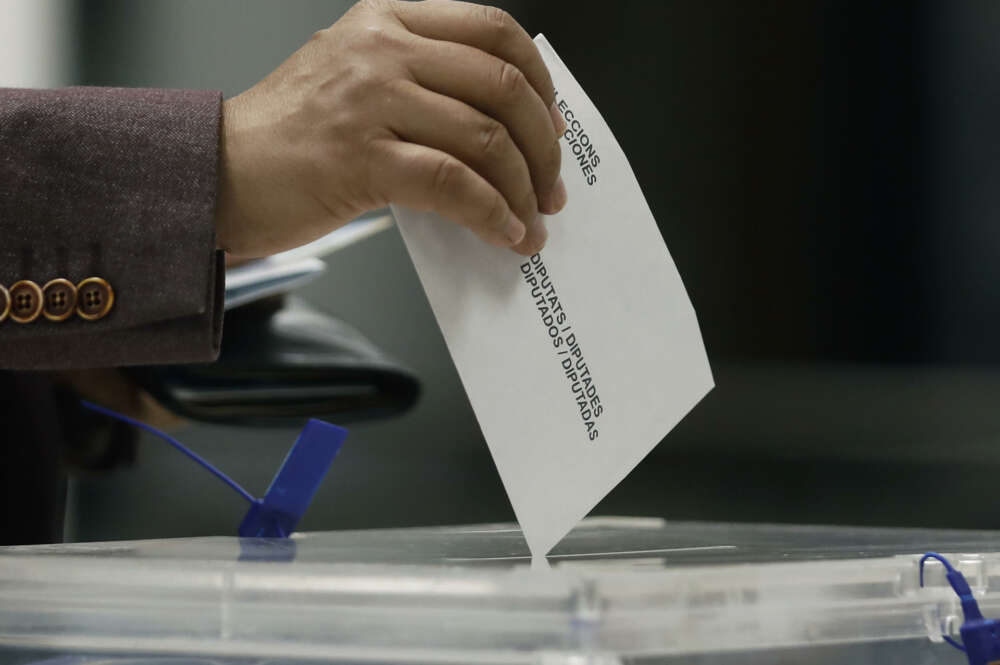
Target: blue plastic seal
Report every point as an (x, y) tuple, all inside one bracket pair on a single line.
[(980, 637), (293, 487), (291, 490)]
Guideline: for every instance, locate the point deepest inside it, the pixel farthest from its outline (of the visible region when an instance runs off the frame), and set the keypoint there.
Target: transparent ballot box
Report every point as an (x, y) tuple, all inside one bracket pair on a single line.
[(618, 590)]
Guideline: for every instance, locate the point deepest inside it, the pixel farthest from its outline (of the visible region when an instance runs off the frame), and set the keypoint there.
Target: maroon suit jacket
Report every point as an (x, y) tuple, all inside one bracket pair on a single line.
[(117, 184), (109, 183)]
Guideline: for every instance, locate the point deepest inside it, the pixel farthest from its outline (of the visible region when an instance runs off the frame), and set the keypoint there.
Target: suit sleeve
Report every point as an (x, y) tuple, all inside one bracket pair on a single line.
[(117, 185)]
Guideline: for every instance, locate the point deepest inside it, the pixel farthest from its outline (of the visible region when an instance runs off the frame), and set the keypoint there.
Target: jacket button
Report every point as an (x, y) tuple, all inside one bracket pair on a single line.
[(4, 303), (25, 301), (94, 298), (59, 299)]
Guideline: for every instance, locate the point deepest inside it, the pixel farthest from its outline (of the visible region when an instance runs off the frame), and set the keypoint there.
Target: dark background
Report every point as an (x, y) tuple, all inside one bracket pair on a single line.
[(826, 176)]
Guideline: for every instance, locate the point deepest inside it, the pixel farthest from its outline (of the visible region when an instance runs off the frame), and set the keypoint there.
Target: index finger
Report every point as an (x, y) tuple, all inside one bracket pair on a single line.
[(486, 28)]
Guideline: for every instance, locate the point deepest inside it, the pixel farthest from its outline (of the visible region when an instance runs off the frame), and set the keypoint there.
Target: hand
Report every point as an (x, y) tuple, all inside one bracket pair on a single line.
[(111, 388), (435, 105)]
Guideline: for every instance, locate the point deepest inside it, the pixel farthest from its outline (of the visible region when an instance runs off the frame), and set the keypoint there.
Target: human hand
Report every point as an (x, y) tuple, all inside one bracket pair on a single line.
[(112, 389), (436, 105)]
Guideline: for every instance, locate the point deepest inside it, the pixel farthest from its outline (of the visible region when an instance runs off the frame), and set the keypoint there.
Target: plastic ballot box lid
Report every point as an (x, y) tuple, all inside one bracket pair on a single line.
[(618, 589)]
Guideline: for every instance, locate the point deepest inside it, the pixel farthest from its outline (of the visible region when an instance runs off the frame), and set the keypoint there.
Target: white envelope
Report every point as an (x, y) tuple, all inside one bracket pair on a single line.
[(577, 361)]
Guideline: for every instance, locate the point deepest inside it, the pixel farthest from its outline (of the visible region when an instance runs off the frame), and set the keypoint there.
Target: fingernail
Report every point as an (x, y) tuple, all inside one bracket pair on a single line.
[(535, 238), (514, 230), (557, 119), (542, 233), (557, 197)]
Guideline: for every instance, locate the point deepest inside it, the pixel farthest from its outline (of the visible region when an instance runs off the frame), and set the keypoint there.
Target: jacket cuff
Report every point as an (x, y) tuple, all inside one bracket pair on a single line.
[(189, 339), (117, 184)]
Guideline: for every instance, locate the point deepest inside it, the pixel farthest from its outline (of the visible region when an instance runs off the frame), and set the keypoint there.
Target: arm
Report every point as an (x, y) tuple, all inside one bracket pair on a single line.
[(435, 105)]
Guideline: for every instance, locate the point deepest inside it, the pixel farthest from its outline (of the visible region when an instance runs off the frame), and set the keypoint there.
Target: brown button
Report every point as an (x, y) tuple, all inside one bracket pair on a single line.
[(25, 301), (59, 299), (4, 303), (94, 298)]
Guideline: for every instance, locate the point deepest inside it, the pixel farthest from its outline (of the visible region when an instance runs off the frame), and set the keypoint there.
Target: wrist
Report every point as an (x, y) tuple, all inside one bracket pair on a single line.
[(226, 215)]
